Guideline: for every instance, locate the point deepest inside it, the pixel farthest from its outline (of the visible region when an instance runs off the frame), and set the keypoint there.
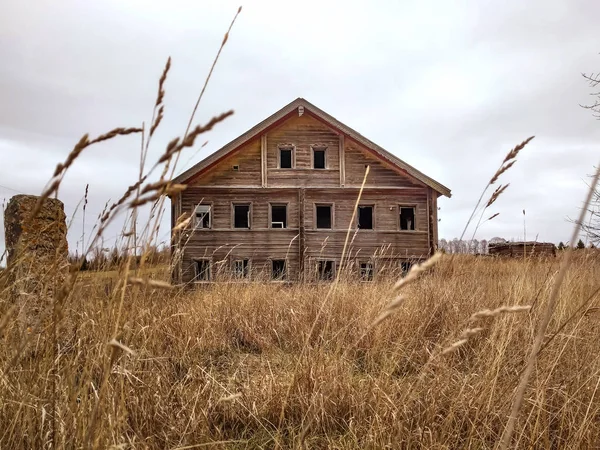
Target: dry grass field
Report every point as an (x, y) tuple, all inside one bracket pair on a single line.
[(256, 365)]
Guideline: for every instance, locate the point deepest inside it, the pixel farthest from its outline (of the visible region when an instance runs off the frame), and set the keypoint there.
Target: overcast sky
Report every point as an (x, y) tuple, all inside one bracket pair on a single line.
[(448, 86)]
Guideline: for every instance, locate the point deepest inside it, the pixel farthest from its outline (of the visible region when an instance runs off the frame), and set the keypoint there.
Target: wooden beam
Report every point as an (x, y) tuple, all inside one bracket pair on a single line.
[(263, 160), (342, 162)]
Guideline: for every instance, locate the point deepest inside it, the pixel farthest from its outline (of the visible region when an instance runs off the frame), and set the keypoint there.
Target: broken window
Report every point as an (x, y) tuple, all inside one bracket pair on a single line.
[(241, 268), (202, 217), (323, 213), (319, 158), (278, 269), (285, 157), (366, 271), (365, 217), (278, 216), (407, 218), (241, 216), (202, 269), (325, 270)]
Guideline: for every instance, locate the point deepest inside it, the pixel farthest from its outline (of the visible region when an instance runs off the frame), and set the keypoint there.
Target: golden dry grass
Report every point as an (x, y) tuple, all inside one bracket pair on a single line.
[(215, 364)]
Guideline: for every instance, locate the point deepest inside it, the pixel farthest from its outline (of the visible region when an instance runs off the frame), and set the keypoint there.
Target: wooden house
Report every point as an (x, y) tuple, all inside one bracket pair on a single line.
[(277, 203)]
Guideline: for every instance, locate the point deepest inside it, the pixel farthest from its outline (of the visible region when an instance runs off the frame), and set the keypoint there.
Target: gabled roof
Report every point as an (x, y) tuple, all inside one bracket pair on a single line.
[(285, 112)]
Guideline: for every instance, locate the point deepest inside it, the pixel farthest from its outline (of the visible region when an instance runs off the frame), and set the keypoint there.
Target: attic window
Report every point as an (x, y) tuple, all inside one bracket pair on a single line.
[(236, 168), (286, 157), (319, 161), (407, 218)]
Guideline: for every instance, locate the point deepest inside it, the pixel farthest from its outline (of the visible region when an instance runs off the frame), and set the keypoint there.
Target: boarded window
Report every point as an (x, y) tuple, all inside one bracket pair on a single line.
[(323, 216), (366, 271), (407, 218), (278, 269), (202, 269), (318, 158), (202, 217), (278, 216), (325, 270), (241, 268), (285, 157), (365, 217), (241, 216)]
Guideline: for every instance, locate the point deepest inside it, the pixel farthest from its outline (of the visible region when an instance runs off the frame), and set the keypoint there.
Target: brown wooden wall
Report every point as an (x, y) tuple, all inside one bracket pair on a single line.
[(248, 159), (303, 132), (222, 244)]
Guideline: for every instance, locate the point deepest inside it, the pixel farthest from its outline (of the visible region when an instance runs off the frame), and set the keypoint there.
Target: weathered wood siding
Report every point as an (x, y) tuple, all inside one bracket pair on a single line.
[(380, 174), (303, 132), (247, 158)]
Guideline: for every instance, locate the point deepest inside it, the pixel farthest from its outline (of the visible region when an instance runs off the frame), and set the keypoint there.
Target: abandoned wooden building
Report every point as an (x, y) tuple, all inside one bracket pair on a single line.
[(277, 203)]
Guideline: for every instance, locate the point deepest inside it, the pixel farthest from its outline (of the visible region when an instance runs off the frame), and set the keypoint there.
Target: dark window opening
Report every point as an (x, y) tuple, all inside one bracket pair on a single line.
[(405, 266), (278, 269), (319, 158), (241, 268), (366, 271), (203, 270), (407, 218), (365, 217), (278, 216), (236, 168), (325, 270), (241, 216), (202, 216), (285, 158), (323, 216)]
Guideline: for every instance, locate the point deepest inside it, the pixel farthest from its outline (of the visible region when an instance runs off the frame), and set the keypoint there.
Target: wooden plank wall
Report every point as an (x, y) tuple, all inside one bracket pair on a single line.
[(303, 132)]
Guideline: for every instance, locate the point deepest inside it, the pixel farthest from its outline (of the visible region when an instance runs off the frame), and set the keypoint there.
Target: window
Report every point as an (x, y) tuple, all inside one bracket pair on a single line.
[(278, 216), (286, 157), (202, 217), (241, 216), (319, 161), (202, 269), (323, 213), (325, 270), (278, 269), (405, 266), (241, 268), (365, 217), (407, 218), (366, 271), (236, 168)]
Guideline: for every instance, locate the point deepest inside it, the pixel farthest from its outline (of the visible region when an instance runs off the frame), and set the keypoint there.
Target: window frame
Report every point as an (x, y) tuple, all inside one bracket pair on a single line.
[(360, 275), (372, 206), (287, 215), (314, 148), (399, 210), (285, 269), (248, 270), (332, 215), (318, 261), (233, 205), (291, 147), (196, 271), (210, 211)]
